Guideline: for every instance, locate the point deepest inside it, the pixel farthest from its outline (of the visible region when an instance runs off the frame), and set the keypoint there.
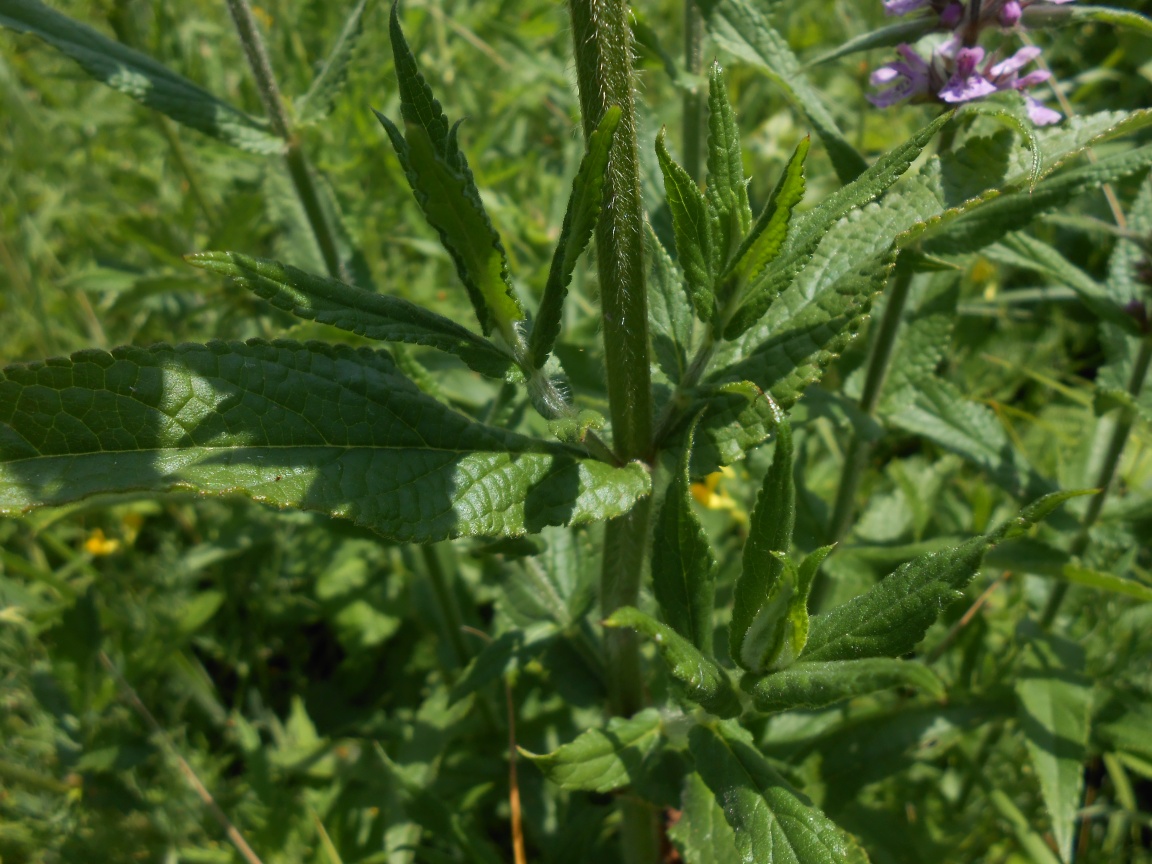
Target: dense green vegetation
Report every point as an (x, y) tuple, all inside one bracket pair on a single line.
[(183, 669)]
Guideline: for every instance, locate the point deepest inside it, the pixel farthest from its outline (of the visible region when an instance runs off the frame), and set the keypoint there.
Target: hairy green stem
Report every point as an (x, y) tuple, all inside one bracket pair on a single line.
[(1104, 476), (294, 158), (856, 457), (602, 44), (694, 98), (603, 49)]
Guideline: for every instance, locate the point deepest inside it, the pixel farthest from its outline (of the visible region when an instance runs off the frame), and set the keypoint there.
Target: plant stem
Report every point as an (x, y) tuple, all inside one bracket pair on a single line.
[(294, 157), (856, 457), (602, 45), (694, 98), (603, 49), (1105, 476)]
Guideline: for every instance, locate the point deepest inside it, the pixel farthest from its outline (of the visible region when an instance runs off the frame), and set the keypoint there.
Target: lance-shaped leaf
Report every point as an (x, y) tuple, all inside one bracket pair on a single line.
[(767, 236), (377, 316), (774, 823), (316, 104), (1047, 16), (769, 607), (319, 427), (891, 618), (669, 311), (579, 222), (693, 226), (738, 26), (817, 685), (1055, 699), (446, 191), (683, 567), (601, 760), (727, 189), (702, 834), (139, 76), (705, 682), (810, 230)]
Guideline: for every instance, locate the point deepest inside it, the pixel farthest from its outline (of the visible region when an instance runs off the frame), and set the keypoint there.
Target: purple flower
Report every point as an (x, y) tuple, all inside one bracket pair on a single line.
[(906, 79), (1003, 76), (903, 7), (966, 82)]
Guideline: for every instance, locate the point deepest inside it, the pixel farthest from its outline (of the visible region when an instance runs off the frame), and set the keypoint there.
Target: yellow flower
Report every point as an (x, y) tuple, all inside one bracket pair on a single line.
[(98, 544)]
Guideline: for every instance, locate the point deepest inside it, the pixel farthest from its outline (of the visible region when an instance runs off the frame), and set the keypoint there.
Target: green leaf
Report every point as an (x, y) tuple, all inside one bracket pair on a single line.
[(1079, 575), (601, 760), (886, 37), (1032, 843), (727, 189), (814, 225), (817, 685), (940, 413), (377, 316), (317, 103), (669, 311), (1055, 700), (139, 76), (892, 617), (683, 566), (1021, 250), (739, 27), (770, 604), (579, 222), (705, 682), (446, 191), (1013, 113), (767, 236), (694, 230), (774, 823), (1056, 15), (921, 345), (702, 834), (313, 426)]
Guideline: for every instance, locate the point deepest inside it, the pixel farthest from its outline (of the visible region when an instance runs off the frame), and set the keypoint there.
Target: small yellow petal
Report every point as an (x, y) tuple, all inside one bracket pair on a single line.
[(98, 544)]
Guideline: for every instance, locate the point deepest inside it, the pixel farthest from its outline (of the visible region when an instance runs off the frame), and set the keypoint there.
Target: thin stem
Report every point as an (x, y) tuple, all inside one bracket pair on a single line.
[(856, 457), (694, 98), (294, 157), (446, 600), (1105, 476)]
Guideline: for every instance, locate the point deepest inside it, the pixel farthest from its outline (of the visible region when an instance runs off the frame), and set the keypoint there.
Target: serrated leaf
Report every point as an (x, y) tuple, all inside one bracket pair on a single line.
[(694, 230), (814, 225), (319, 427), (1055, 700), (1014, 115), (579, 222), (774, 824), (139, 76), (940, 413), (891, 618), (601, 760), (669, 312), (376, 316), (767, 236), (702, 834), (1027, 252), (737, 418), (727, 189), (817, 685), (446, 191), (705, 682), (739, 27), (769, 616), (683, 566), (890, 36), (922, 343), (316, 104)]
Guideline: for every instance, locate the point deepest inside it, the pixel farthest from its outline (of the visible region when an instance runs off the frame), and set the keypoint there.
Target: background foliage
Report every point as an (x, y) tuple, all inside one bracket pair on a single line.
[(342, 698)]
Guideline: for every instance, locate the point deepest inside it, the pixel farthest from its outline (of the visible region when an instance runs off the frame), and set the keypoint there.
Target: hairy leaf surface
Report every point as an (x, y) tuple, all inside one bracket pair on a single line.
[(312, 426), (817, 685), (601, 760)]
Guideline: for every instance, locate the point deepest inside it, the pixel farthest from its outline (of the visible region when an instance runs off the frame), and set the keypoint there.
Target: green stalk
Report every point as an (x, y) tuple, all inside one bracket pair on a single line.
[(294, 157), (603, 48), (1105, 476), (856, 457), (602, 45)]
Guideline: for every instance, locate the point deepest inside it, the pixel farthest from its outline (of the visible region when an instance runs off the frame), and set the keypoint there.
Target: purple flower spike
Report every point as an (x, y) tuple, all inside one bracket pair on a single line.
[(1015, 63), (966, 83)]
